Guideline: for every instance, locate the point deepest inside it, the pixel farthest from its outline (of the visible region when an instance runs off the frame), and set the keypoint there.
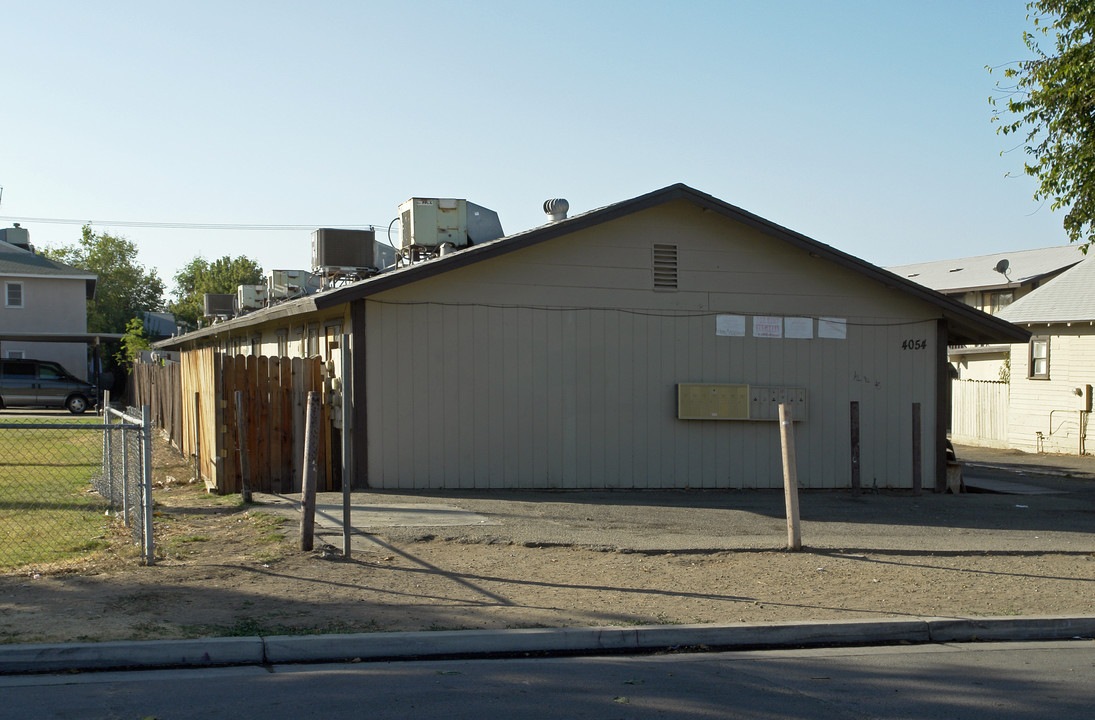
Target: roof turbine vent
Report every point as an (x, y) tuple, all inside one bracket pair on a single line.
[(556, 208)]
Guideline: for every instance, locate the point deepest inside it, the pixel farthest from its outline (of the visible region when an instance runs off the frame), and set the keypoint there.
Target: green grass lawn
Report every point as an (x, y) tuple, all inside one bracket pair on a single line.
[(48, 509)]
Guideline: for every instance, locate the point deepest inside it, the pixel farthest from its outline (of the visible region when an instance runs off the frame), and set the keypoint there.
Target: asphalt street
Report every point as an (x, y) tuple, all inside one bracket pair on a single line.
[(1005, 680)]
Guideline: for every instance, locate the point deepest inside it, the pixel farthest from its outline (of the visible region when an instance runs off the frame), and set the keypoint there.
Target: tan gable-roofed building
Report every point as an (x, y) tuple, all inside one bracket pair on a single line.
[(645, 344)]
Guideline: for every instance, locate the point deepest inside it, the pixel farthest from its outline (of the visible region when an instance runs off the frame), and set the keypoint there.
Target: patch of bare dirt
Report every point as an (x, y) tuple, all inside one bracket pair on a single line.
[(229, 569)]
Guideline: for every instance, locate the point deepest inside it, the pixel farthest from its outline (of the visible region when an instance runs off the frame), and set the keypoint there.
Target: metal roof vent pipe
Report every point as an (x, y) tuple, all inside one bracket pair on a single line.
[(556, 209)]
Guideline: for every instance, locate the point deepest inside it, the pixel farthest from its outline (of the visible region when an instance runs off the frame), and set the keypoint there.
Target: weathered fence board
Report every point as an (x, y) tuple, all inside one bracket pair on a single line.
[(979, 412), (273, 393), (158, 387)]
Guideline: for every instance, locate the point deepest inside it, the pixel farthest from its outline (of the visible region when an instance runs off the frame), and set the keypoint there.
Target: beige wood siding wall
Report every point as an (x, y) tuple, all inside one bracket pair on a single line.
[(556, 366), (1051, 406)]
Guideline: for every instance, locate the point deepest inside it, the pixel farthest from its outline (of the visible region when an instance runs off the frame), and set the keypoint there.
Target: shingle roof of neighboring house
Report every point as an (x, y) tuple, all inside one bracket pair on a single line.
[(1069, 298), (17, 262), (978, 273), (965, 324)]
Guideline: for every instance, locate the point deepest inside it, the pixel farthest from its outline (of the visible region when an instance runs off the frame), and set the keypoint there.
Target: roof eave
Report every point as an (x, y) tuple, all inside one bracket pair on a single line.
[(277, 312)]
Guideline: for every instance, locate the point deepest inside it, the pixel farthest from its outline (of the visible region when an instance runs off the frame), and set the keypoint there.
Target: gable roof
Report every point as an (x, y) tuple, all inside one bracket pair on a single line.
[(978, 272), (965, 324), (1069, 298), (20, 263)]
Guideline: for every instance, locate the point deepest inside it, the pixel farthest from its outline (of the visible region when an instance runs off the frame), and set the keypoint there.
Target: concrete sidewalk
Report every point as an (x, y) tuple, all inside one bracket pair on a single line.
[(1078, 467), (22, 659)]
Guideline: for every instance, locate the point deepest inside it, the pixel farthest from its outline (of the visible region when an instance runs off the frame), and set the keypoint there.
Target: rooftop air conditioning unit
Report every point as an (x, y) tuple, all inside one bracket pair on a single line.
[(218, 305), (483, 224), (349, 251), (430, 222), (250, 297), (17, 236), (285, 284)]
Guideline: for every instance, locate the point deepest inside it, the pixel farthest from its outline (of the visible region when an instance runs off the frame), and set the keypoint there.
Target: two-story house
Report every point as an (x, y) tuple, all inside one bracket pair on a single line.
[(43, 306), (990, 283)]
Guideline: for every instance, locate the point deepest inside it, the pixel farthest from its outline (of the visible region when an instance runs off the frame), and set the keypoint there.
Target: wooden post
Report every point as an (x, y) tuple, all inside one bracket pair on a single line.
[(855, 447), (347, 460), (241, 439), (790, 476), (918, 477), (197, 438), (308, 476)]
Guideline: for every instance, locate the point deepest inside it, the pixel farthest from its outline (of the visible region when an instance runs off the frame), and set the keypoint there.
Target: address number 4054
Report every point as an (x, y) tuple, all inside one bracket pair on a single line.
[(914, 344)]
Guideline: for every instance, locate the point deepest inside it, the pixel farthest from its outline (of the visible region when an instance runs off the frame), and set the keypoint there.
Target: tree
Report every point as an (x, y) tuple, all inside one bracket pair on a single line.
[(124, 288), (134, 341), (200, 276), (1051, 99)]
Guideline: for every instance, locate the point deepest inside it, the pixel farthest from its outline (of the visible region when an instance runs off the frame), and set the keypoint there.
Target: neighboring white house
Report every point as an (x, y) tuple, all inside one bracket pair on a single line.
[(990, 283), (1046, 404), (1052, 375), (43, 312)]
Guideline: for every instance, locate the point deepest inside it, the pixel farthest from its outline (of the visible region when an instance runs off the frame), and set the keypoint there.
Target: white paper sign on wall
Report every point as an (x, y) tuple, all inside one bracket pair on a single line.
[(730, 325), (767, 326), (794, 327), (836, 328)]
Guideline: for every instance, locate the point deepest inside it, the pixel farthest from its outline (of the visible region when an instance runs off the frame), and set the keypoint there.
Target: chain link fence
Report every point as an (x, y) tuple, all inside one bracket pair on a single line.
[(65, 486)]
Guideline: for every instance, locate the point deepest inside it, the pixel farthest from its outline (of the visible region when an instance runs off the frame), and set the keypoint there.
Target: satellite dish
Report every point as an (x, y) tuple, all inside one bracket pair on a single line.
[(1002, 267)]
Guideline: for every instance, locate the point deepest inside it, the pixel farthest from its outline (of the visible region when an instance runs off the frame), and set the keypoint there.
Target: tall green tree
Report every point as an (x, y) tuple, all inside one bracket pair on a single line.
[(124, 289), (1050, 101), (200, 276)]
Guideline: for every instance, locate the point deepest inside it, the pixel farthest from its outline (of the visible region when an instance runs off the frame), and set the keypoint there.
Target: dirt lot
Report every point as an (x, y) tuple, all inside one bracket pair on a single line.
[(229, 569)]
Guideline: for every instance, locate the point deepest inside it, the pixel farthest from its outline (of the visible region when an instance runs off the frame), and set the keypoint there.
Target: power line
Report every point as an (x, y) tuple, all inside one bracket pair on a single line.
[(188, 226)]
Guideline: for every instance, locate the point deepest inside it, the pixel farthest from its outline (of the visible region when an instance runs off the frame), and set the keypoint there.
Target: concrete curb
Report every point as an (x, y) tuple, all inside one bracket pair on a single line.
[(562, 641), (286, 649), (943, 630), (136, 654)]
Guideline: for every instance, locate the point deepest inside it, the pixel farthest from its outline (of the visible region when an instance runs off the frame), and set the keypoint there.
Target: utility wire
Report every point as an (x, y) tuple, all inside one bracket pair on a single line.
[(186, 226)]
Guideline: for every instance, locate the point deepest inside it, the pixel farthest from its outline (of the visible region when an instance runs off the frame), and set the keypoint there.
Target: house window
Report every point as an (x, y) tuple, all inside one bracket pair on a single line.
[(256, 345), (283, 343), (997, 301), (13, 294), (311, 341), (334, 338), (16, 355), (1039, 359)]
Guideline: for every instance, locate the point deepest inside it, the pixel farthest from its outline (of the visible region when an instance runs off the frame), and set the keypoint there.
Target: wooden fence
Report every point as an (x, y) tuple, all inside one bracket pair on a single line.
[(979, 412), (158, 386), (274, 393)]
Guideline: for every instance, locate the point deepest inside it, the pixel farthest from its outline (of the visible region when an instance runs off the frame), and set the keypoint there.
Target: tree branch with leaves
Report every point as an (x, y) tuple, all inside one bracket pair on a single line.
[(1050, 101), (124, 288)]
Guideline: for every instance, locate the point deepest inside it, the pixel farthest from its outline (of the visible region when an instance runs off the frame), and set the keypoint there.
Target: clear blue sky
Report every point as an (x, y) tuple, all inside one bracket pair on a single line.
[(864, 124)]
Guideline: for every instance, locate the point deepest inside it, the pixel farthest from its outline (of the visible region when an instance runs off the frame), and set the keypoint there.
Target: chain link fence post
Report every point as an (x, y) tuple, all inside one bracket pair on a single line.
[(146, 481), (125, 474), (108, 454)]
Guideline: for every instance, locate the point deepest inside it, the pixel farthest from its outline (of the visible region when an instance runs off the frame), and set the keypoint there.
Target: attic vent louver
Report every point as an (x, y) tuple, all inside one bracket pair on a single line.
[(665, 267)]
